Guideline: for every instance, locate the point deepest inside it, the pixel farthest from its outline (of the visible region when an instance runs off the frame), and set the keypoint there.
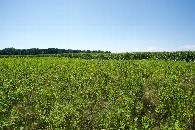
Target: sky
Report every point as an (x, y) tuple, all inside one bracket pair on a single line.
[(108, 25)]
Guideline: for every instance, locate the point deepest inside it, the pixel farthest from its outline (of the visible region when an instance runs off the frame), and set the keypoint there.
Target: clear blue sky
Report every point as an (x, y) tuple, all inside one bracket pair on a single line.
[(113, 25)]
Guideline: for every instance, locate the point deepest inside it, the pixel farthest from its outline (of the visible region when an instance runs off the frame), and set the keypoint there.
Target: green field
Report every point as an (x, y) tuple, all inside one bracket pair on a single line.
[(73, 93)]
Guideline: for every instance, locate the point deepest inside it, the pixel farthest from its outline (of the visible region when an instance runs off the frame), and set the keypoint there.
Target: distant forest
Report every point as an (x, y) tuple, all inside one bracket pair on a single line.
[(35, 51)]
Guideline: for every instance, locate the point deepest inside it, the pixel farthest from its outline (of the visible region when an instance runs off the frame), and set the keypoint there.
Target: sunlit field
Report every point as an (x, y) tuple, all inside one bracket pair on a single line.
[(72, 93)]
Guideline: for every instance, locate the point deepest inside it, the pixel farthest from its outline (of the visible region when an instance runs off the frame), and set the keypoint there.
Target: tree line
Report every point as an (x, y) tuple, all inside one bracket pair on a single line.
[(35, 51)]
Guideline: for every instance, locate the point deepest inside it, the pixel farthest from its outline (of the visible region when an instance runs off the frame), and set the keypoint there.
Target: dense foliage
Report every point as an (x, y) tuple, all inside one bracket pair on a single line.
[(35, 51), (175, 56), (58, 92)]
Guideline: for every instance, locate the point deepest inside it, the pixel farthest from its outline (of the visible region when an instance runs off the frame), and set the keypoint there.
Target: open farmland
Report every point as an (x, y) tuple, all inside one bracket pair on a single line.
[(59, 92)]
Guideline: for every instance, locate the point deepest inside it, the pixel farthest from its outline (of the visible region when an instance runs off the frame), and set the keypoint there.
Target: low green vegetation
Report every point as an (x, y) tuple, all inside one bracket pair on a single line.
[(76, 93)]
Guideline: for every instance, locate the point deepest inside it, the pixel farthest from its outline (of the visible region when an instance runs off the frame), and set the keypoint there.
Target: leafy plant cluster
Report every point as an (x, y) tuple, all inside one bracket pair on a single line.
[(58, 92), (175, 56)]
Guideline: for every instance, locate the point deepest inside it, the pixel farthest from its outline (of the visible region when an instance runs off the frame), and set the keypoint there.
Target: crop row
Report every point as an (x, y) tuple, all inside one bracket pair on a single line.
[(175, 56)]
